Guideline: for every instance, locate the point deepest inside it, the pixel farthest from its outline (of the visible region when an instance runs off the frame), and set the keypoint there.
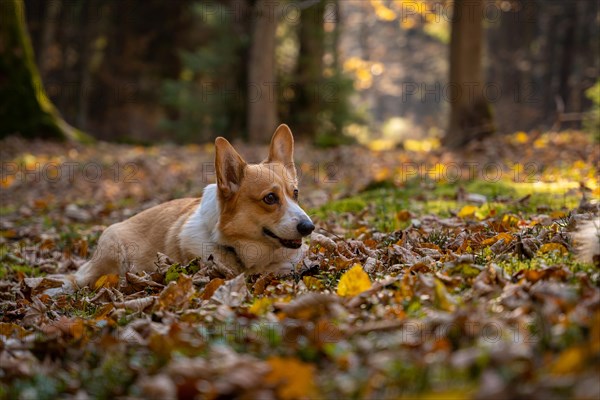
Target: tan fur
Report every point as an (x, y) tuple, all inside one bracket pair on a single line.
[(229, 223), (132, 245), (587, 241)]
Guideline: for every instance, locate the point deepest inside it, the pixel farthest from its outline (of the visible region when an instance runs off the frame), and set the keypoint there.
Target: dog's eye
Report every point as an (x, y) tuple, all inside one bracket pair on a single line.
[(296, 194), (271, 199)]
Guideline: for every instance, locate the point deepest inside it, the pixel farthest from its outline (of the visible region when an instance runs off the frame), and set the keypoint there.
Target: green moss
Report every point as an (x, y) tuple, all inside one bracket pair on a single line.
[(542, 261), (10, 269), (7, 209), (383, 201)]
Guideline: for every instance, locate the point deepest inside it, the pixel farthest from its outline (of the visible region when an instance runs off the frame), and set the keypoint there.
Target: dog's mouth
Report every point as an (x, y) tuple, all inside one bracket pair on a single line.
[(289, 243)]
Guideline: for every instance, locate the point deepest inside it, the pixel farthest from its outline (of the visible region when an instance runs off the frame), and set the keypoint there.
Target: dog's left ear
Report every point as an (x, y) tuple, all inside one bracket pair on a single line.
[(282, 147), (229, 166)]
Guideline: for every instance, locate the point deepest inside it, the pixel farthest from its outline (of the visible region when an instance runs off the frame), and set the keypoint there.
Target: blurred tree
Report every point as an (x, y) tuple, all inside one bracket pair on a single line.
[(262, 85), (320, 106), (309, 70), (208, 97), (24, 106), (48, 36), (470, 113), (543, 55)]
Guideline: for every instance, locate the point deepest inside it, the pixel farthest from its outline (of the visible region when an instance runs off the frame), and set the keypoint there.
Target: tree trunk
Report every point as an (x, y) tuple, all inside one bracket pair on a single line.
[(24, 106), (309, 70), (262, 85), (48, 34), (470, 113)]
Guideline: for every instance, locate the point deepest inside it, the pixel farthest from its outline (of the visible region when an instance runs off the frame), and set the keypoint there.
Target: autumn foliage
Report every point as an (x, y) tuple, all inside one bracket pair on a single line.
[(410, 287)]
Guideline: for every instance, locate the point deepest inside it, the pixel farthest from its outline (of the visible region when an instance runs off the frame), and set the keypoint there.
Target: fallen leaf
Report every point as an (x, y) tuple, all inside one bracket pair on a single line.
[(8, 329), (307, 305), (176, 294), (507, 237), (550, 247), (38, 285), (211, 287), (312, 283), (107, 281), (260, 306), (232, 293), (443, 300), (353, 282), (136, 304), (569, 361), (467, 211), (293, 378)]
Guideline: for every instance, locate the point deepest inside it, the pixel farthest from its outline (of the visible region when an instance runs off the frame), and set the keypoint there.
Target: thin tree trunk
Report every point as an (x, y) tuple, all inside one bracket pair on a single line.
[(309, 70), (470, 113), (569, 50), (53, 8), (24, 106), (262, 85)]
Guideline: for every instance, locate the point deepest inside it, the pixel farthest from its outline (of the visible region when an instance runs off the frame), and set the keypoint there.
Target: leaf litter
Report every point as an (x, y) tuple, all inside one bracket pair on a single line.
[(483, 299)]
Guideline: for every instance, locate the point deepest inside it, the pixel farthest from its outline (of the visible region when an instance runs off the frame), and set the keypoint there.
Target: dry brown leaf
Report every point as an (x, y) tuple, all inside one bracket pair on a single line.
[(308, 305), (293, 378), (232, 293), (176, 294), (38, 285), (136, 304), (210, 289)]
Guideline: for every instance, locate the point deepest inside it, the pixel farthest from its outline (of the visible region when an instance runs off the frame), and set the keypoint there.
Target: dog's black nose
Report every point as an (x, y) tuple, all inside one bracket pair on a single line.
[(305, 228)]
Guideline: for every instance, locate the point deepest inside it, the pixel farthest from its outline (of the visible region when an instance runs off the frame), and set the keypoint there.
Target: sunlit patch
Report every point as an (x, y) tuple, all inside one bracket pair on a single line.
[(520, 137), (383, 13), (424, 146), (381, 144)]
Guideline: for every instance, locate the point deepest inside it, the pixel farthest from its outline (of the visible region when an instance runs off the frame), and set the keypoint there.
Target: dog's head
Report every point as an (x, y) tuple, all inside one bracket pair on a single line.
[(259, 202)]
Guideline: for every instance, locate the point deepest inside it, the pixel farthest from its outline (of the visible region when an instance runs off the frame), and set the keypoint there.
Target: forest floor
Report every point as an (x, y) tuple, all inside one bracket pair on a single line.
[(431, 274)]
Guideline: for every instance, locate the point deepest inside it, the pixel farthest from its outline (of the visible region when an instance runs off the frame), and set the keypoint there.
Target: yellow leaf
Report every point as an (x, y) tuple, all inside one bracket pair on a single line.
[(510, 220), (261, 306), (312, 283), (383, 13), (521, 137), (353, 282), (548, 247), (569, 361), (407, 23), (7, 181), (442, 298), (103, 311), (293, 378), (456, 394), (557, 214), (467, 211), (110, 280), (541, 143), (507, 237), (8, 329)]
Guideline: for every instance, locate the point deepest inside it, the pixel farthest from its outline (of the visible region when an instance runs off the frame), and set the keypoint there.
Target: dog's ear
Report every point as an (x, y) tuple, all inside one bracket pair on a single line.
[(282, 148), (229, 166)]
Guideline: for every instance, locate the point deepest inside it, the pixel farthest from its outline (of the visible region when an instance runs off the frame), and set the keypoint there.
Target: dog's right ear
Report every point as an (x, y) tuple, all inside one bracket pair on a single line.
[(229, 166)]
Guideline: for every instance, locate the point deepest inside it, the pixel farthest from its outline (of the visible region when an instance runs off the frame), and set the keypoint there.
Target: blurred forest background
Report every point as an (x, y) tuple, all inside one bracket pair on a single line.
[(376, 71)]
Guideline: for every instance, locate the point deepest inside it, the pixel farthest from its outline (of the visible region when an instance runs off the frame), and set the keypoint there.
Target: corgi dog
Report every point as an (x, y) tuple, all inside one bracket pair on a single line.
[(249, 220)]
